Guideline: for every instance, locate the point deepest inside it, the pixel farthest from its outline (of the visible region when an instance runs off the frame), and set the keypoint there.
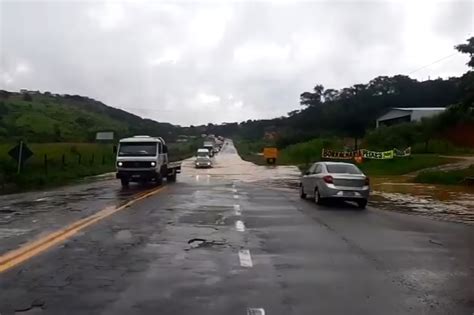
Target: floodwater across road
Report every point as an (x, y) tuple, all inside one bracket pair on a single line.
[(443, 202), (229, 240)]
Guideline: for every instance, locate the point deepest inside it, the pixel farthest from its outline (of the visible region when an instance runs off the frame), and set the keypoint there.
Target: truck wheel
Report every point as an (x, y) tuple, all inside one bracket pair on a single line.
[(124, 182), (362, 204), (171, 178)]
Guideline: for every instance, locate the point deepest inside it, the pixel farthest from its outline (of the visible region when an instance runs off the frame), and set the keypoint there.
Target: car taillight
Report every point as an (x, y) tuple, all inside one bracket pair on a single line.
[(328, 179), (367, 181)]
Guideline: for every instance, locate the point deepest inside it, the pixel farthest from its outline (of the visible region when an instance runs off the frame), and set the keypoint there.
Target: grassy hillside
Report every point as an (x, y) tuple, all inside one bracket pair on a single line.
[(69, 118), (60, 130)]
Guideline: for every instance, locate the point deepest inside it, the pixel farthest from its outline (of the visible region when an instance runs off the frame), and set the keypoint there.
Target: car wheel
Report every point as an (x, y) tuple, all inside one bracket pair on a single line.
[(302, 193), (317, 197), (362, 203)]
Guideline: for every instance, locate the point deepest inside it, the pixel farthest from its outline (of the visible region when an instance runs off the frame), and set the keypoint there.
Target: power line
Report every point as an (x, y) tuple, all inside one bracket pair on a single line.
[(434, 62)]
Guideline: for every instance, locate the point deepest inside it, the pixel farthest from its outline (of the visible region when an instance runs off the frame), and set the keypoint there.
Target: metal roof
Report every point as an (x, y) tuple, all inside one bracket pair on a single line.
[(420, 108), (141, 139)]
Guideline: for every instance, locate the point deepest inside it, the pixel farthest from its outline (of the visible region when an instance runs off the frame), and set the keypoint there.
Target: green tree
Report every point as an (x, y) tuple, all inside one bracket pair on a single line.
[(467, 82), (312, 99), (468, 48)]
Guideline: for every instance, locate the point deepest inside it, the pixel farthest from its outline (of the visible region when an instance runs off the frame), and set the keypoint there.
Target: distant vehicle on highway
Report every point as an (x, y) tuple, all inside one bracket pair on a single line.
[(270, 154), (209, 145), (335, 180), (202, 152), (203, 162), (144, 159)]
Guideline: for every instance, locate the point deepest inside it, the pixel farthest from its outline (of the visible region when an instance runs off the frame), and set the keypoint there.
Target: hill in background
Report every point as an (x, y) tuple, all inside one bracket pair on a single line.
[(46, 117)]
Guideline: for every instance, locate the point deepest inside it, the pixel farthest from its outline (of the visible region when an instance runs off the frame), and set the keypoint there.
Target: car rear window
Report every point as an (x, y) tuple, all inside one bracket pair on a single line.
[(343, 169)]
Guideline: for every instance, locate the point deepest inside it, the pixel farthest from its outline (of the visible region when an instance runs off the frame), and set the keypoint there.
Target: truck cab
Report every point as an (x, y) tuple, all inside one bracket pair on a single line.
[(144, 159), (209, 145)]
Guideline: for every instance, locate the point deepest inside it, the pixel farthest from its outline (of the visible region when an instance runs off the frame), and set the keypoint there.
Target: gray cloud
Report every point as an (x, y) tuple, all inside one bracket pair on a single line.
[(199, 62)]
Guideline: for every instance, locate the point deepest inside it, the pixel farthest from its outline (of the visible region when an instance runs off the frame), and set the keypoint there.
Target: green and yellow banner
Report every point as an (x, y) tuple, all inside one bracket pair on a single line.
[(385, 155), (366, 154), (402, 153)]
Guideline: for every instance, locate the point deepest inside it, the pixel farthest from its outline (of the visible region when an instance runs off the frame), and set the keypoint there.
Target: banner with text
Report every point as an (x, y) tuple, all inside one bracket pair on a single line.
[(386, 155), (349, 155), (402, 153), (340, 155)]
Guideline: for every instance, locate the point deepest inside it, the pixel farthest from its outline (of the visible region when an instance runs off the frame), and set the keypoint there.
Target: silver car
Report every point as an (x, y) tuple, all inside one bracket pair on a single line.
[(203, 161), (335, 180)]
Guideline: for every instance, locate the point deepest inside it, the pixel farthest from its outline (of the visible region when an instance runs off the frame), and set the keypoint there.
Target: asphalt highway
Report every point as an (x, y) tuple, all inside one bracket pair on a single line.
[(229, 240)]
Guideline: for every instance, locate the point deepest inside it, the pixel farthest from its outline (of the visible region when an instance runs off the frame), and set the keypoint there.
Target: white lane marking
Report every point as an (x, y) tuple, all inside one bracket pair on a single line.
[(237, 210), (240, 226), (245, 258), (234, 190), (236, 196), (255, 311)]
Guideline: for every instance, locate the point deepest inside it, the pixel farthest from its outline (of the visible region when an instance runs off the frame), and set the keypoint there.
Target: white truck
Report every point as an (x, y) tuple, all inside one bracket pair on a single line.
[(209, 145), (144, 159)]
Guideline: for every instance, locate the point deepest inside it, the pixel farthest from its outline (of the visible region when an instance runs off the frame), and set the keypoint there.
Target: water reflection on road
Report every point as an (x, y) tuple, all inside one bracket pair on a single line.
[(454, 203), (229, 165)]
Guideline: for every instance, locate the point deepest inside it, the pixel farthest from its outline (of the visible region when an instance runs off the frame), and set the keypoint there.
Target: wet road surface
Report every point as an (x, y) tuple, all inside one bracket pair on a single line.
[(228, 240), (441, 202)]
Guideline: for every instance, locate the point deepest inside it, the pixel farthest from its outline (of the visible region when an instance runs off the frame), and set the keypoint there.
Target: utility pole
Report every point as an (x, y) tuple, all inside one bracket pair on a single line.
[(20, 157)]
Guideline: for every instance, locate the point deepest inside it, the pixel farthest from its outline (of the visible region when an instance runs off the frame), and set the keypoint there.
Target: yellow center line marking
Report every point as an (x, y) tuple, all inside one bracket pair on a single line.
[(17, 256)]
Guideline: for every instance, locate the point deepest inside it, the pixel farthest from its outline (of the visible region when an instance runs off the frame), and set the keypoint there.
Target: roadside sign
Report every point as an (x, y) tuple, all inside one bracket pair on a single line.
[(104, 136), (20, 153)]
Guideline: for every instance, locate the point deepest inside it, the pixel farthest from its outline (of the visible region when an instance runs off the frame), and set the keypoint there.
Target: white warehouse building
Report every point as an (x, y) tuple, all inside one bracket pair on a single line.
[(398, 115)]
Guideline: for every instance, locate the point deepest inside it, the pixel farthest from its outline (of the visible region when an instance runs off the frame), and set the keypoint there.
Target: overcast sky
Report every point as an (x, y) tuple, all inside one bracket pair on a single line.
[(191, 62)]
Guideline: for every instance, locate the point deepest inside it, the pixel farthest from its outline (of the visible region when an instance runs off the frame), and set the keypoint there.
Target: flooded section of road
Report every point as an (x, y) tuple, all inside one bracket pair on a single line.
[(453, 203), (228, 165), (395, 193)]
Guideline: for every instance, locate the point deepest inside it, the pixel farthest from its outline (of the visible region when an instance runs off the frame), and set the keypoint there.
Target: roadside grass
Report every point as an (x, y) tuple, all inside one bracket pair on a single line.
[(55, 164), (440, 146), (404, 165), (305, 153), (301, 154), (250, 150), (453, 177), (182, 150)]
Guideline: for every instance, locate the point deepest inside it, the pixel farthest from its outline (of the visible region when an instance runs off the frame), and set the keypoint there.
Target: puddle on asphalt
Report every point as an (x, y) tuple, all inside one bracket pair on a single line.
[(455, 203)]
